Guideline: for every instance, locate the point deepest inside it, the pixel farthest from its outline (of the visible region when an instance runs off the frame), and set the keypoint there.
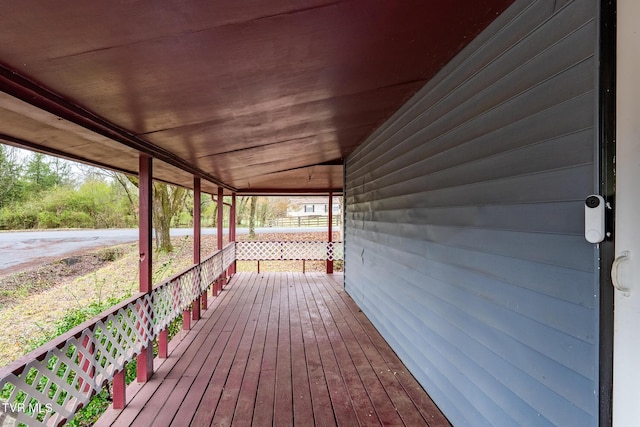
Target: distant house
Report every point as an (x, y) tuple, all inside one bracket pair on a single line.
[(311, 206)]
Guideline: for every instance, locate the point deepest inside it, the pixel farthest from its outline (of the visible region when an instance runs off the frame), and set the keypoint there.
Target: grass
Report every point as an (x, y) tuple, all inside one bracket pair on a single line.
[(33, 318)]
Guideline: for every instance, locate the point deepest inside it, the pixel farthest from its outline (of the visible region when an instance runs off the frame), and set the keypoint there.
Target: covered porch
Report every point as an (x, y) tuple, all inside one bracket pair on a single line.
[(465, 138), (279, 349)]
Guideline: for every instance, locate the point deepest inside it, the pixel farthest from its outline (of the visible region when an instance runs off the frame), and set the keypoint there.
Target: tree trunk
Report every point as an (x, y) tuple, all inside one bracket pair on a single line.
[(252, 217), (167, 202), (241, 209), (162, 217), (163, 237)]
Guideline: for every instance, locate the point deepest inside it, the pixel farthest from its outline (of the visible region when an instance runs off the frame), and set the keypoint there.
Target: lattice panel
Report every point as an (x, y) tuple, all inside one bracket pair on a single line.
[(335, 251), (49, 391), (228, 256), (189, 285), (166, 305), (207, 273), (211, 269), (275, 251), (217, 265)]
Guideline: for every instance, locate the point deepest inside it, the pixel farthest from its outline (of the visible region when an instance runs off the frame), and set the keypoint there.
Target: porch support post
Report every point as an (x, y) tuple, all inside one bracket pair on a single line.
[(145, 190), (163, 344), (330, 237), (195, 312), (119, 389), (232, 229), (186, 319), (220, 230)]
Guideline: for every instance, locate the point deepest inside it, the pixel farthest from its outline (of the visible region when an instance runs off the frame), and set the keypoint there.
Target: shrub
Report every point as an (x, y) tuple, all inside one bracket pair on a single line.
[(111, 253)]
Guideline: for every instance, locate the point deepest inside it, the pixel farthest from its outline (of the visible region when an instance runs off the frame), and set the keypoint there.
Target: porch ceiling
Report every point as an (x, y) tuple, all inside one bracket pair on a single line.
[(257, 95)]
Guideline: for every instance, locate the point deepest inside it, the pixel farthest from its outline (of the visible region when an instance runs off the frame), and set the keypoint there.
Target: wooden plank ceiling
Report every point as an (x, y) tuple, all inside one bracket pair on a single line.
[(258, 95)]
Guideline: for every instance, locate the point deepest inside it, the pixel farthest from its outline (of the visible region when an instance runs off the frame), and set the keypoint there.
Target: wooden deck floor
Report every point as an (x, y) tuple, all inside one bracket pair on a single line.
[(280, 349)]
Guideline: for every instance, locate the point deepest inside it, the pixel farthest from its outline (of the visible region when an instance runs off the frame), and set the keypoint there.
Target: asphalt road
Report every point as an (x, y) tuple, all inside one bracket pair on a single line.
[(28, 247)]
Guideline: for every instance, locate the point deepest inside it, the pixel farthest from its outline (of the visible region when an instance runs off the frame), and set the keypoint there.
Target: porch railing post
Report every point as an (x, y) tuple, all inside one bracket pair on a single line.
[(219, 233), (186, 319), (145, 189), (232, 229), (120, 389), (163, 344), (195, 312), (330, 237)]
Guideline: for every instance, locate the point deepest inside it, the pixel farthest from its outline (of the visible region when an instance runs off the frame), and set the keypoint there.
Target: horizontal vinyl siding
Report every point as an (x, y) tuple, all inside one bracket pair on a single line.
[(464, 224)]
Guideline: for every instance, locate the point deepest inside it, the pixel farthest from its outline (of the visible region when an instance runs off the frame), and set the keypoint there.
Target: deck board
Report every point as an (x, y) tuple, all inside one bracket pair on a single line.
[(243, 414), (280, 349), (265, 395)]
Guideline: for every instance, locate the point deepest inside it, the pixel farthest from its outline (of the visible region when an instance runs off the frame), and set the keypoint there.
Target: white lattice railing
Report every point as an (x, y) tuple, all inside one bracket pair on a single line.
[(47, 386), (276, 251)]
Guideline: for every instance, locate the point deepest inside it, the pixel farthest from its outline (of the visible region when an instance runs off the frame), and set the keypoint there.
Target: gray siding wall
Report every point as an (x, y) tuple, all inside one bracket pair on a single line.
[(464, 224)]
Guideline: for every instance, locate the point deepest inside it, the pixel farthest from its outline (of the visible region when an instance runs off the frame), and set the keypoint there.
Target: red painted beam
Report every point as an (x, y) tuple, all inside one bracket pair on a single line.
[(220, 231), (145, 189), (288, 192), (232, 228), (220, 216), (195, 312), (41, 97), (330, 237)]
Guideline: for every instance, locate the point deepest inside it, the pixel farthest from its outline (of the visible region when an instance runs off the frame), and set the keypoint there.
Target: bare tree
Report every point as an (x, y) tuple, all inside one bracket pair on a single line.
[(241, 212), (168, 200), (133, 199), (252, 217)]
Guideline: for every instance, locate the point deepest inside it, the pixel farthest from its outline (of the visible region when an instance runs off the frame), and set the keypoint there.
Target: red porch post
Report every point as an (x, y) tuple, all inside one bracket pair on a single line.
[(186, 319), (119, 387), (220, 230), (145, 189), (163, 344), (232, 229), (330, 262), (195, 311)]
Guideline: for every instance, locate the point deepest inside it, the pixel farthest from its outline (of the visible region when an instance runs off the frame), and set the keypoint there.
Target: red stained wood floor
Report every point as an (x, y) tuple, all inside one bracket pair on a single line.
[(279, 349)]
